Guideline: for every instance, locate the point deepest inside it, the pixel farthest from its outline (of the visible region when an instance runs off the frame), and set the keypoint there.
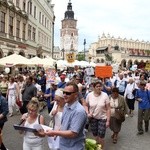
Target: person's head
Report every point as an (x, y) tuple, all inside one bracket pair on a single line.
[(29, 80), (62, 78), (115, 92), (33, 106), (131, 80), (142, 85), (121, 76), (54, 85), (70, 92), (34, 80), (12, 79), (59, 97), (78, 79), (5, 78), (97, 85), (42, 73)]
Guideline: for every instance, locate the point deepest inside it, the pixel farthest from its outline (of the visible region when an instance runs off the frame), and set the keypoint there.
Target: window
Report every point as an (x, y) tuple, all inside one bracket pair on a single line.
[(33, 34), (43, 19), (11, 25), (40, 17), (24, 31), (18, 29), (28, 7), (2, 22), (34, 11), (24, 5), (29, 32), (17, 3), (48, 24), (31, 8)]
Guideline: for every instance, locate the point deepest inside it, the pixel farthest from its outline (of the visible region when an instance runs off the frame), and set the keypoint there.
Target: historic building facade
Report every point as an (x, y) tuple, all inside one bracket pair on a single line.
[(26, 27), (69, 33), (122, 51)]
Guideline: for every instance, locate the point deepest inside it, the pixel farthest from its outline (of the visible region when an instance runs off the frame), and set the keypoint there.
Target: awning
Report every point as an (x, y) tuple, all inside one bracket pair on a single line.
[(102, 48)]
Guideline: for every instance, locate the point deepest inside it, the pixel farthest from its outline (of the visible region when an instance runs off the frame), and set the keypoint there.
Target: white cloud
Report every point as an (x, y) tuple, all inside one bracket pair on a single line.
[(124, 18)]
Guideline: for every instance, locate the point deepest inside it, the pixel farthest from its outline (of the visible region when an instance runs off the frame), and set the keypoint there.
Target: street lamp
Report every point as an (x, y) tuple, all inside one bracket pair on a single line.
[(84, 43), (63, 51)]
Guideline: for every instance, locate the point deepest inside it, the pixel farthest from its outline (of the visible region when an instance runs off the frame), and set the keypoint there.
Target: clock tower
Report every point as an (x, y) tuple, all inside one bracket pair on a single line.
[(69, 32)]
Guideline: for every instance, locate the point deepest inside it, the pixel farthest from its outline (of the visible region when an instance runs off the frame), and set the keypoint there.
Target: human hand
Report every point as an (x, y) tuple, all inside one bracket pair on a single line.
[(139, 99), (89, 115), (54, 112), (49, 133), (40, 133), (1, 116)]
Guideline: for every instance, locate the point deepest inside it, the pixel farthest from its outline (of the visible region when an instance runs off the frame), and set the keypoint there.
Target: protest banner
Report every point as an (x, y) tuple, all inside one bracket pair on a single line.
[(103, 71)]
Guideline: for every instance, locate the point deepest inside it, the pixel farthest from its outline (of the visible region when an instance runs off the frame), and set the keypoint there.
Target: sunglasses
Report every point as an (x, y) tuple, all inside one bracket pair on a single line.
[(68, 93)]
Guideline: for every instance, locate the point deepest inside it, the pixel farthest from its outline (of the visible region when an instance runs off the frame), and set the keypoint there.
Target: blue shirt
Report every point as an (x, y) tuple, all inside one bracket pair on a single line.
[(74, 119), (49, 99), (108, 84), (61, 85), (145, 96)]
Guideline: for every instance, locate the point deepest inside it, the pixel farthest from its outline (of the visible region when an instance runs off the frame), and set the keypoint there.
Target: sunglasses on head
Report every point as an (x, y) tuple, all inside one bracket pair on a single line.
[(68, 93)]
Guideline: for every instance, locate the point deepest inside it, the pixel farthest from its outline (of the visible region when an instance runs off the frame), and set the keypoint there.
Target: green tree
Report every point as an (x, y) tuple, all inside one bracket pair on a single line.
[(80, 57)]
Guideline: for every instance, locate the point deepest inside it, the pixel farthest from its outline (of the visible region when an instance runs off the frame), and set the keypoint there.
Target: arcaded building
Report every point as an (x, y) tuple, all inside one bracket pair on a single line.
[(125, 52)]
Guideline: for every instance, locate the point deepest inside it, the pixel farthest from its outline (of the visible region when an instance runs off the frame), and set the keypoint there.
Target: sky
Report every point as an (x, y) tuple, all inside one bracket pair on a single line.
[(124, 18)]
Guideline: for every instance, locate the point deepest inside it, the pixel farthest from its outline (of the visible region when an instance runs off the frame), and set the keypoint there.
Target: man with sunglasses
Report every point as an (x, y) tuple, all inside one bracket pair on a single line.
[(143, 97), (73, 122)]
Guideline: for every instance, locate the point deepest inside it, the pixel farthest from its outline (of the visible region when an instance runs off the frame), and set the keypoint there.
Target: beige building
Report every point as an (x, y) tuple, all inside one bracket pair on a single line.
[(122, 51), (69, 33), (26, 27)]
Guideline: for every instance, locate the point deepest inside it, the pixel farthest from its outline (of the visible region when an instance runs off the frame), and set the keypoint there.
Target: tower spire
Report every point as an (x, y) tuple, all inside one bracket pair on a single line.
[(69, 14)]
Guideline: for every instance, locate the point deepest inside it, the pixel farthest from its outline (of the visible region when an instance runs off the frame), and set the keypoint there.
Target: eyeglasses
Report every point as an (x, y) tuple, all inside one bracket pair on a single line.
[(68, 93)]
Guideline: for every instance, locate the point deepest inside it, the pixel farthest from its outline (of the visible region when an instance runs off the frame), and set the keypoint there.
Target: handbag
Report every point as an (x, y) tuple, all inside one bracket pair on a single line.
[(19, 103), (119, 115)]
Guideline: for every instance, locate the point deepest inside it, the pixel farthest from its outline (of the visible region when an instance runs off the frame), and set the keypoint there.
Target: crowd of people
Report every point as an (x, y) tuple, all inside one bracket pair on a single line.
[(76, 102)]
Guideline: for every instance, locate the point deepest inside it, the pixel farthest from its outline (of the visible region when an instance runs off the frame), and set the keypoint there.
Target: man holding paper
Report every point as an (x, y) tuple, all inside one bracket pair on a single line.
[(73, 121)]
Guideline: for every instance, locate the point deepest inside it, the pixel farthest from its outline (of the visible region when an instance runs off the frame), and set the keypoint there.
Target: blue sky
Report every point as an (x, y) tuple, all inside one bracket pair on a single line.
[(124, 18)]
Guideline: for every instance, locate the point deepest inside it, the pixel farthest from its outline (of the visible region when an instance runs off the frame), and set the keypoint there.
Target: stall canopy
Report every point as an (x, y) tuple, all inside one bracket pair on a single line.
[(36, 60), (13, 60)]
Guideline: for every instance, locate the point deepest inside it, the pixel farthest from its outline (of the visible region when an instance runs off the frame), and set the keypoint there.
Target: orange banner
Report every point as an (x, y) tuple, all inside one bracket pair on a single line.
[(103, 71)]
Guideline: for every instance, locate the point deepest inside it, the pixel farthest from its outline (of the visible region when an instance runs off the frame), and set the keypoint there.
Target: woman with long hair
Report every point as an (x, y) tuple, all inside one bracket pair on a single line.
[(12, 95)]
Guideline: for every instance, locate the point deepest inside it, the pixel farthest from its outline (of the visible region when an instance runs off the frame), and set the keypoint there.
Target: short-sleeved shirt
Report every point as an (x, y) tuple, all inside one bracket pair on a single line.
[(74, 119), (145, 96), (97, 105)]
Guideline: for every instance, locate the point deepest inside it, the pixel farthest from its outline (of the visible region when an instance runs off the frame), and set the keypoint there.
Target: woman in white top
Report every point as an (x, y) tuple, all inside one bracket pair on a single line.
[(33, 141), (129, 95), (56, 112), (12, 95)]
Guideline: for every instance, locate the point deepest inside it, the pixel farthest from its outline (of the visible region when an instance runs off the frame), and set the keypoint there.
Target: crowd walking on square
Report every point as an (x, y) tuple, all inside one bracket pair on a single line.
[(77, 102)]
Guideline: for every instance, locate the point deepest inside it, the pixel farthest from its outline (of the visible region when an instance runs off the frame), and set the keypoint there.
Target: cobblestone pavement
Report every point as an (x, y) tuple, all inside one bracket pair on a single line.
[(128, 140)]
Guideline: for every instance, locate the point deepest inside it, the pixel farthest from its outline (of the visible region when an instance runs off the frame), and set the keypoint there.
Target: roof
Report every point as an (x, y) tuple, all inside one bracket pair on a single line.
[(102, 48)]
